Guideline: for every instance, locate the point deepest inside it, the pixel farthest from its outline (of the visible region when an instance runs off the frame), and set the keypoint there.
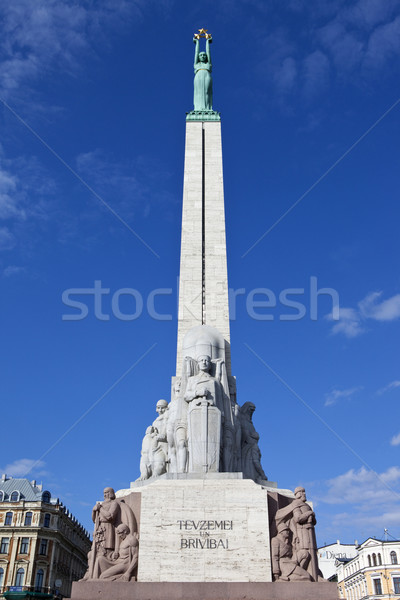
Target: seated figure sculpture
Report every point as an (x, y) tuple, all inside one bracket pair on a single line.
[(286, 564), (122, 563)]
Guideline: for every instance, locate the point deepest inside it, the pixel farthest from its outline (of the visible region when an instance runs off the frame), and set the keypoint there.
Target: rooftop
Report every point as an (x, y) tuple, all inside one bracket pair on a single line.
[(27, 490)]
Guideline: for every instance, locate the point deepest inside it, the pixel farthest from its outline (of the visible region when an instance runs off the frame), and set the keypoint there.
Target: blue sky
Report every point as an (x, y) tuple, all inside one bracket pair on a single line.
[(94, 96)]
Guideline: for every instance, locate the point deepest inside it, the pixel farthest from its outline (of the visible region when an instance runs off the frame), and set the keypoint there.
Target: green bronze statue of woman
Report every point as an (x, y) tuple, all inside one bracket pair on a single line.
[(202, 98)]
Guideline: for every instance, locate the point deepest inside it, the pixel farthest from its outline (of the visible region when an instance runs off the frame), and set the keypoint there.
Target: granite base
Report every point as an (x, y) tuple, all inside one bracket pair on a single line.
[(285, 590)]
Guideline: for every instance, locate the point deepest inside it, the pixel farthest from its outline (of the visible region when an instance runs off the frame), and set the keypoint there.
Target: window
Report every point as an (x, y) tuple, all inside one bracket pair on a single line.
[(8, 519), (24, 546), (28, 519), (14, 497), (1, 496), (393, 557), (379, 559), (46, 497), (39, 581), (46, 520), (369, 560), (374, 560), (19, 579), (377, 587), (396, 585), (1, 578), (43, 547), (4, 545)]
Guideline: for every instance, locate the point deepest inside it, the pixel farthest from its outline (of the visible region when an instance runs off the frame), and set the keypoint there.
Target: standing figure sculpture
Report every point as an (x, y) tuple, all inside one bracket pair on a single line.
[(206, 398), (160, 447), (251, 454), (154, 456), (115, 539), (177, 431), (202, 98), (145, 455), (304, 535), (104, 515), (300, 518), (204, 385)]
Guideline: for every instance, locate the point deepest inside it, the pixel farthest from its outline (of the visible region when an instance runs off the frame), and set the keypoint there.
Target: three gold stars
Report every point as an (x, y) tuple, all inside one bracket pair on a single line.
[(202, 33)]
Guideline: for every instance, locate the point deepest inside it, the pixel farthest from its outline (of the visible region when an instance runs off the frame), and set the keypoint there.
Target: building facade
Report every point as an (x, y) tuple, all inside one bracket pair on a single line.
[(328, 554), (374, 573), (43, 548)]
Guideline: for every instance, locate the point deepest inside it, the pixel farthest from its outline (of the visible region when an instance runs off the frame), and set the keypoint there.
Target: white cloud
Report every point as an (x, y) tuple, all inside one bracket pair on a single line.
[(383, 44), (365, 34), (25, 201), (47, 35), (358, 502), (367, 14), (344, 46), (13, 270), (115, 183), (391, 386), (346, 40), (395, 441), (387, 310), (369, 521), (364, 488), (24, 466), (7, 239), (9, 196), (286, 76), (315, 72), (335, 395), (351, 321)]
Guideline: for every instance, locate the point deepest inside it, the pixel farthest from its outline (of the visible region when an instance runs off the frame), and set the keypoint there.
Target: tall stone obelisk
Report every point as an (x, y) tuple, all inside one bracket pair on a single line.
[(211, 525), (203, 283)]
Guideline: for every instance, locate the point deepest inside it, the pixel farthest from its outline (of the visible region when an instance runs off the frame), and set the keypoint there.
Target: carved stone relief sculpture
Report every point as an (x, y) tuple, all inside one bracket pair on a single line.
[(287, 565), (203, 429), (114, 552), (251, 454), (295, 525)]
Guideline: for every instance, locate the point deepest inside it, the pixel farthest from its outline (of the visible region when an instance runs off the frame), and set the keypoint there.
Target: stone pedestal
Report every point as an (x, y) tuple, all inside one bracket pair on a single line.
[(117, 590), (209, 530)]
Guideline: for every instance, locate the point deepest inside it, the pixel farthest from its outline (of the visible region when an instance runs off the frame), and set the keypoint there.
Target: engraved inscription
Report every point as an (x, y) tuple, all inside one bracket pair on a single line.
[(204, 529), (205, 525), (208, 543)]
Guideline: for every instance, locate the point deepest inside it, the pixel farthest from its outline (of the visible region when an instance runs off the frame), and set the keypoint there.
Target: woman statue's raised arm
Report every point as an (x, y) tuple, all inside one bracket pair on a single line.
[(208, 52), (196, 50)]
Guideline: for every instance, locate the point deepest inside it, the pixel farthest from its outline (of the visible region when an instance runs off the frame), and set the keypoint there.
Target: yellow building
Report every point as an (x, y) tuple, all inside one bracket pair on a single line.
[(374, 573), (43, 548)]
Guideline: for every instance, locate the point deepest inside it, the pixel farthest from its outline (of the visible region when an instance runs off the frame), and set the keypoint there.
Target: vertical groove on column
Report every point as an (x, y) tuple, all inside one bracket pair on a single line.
[(203, 228)]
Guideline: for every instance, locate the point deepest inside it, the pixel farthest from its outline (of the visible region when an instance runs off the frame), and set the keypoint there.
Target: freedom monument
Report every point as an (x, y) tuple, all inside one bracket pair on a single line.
[(203, 521)]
